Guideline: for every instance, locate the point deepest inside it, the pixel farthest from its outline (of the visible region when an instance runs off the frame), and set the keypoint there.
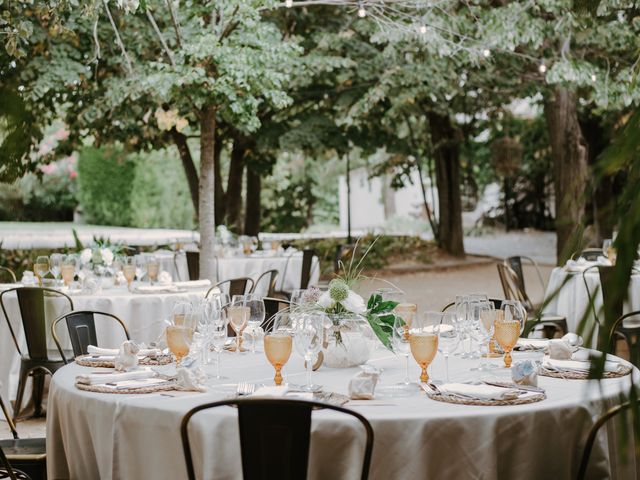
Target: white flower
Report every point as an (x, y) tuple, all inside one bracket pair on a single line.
[(129, 6), (340, 293), (107, 256), (85, 256), (354, 303)]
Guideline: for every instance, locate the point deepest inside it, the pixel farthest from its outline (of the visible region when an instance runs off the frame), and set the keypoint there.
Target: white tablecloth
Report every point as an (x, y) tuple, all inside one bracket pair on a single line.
[(288, 266), (93, 436), (572, 298), (143, 314)]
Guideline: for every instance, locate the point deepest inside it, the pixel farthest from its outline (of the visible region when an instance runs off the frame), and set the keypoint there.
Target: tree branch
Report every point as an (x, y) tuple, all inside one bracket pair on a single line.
[(118, 38), (160, 37), (174, 22)]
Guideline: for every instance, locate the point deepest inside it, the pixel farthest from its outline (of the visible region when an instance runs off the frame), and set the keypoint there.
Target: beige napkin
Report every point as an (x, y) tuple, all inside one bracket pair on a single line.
[(481, 392), (191, 380), (112, 352), (271, 391), (101, 378), (579, 365), (362, 386), (532, 343), (560, 350)]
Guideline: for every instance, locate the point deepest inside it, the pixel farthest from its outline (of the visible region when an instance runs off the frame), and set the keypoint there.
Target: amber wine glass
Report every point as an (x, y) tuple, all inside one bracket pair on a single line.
[(153, 269), (277, 348), (129, 270), (179, 338), (238, 314), (423, 342), (41, 267), (509, 326), (68, 269)]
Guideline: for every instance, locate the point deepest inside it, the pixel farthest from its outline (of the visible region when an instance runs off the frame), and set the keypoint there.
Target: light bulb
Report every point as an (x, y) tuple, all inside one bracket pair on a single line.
[(288, 3), (593, 77), (486, 52), (362, 12), (542, 68), (423, 29)]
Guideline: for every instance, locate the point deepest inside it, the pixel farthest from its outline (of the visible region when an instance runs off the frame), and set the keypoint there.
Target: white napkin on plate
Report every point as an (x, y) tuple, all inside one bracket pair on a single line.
[(100, 378), (191, 380), (193, 284), (271, 391), (532, 343), (112, 352), (482, 392), (560, 350), (579, 365)]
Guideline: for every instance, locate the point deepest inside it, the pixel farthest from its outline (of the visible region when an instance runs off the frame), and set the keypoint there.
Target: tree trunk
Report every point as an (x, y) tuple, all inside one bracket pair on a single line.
[(189, 167), (253, 207), (207, 193), (445, 140), (221, 206), (569, 154), (233, 197)]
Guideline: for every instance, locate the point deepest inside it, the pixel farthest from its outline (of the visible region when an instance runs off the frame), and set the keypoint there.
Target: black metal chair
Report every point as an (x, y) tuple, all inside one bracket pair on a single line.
[(6, 271), (274, 437), (590, 254), (593, 434), (305, 273), (37, 362), (81, 326), (28, 455), (511, 286), (270, 276), (235, 286), (271, 307), (193, 265), (7, 470), (631, 335)]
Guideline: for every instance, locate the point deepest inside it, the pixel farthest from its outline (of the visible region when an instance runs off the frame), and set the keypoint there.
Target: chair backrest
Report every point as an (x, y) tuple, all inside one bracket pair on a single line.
[(593, 434), (7, 417), (344, 253), (6, 471), (630, 334), (509, 281), (193, 265), (82, 330), (274, 437), (6, 271), (591, 254), (270, 276), (516, 265), (307, 263), (31, 303), (235, 286), (271, 307), (497, 304)]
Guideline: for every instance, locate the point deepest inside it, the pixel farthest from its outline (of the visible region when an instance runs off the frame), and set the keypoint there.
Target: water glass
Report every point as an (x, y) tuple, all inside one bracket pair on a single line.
[(308, 335), (448, 335), (41, 267)]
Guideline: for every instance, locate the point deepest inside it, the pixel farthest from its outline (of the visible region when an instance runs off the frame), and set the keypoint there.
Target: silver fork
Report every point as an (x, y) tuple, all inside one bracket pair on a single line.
[(245, 388)]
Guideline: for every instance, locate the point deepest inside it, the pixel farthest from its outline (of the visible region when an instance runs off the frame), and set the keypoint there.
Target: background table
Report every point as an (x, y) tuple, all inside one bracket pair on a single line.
[(572, 300), (288, 266), (93, 436), (143, 314)]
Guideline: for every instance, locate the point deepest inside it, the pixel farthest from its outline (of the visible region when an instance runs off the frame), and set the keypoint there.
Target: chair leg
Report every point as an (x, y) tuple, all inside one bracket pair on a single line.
[(38, 392), (24, 375)]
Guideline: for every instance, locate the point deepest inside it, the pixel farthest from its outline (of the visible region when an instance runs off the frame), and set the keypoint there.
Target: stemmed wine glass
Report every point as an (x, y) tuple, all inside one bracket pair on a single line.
[(308, 335), (484, 328), (129, 270), (448, 335), (400, 339), (256, 316), (180, 333), (140, 262), (278, 343), (41, 267), (509, 327), (239, 313), (153, 268), (217, 334), (55, 264), (68, 269), (423, 341)]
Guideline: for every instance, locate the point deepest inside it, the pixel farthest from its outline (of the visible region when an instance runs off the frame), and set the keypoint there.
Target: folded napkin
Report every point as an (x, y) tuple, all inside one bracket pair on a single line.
[(164, 278), (560, 350), (156, 288), (193, 284), (363, 385), (271, 391), (191, 380), (127, 358), (532, 343), (481, 392), (101, 378), (573, 339), (579, 265), (112, 352), (579, 365)]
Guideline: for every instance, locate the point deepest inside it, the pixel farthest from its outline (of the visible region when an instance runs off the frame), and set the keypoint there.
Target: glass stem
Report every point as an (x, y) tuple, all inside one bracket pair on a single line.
[(406, 369), (238, 343), (446, 368), (218, 364), (309, 366)]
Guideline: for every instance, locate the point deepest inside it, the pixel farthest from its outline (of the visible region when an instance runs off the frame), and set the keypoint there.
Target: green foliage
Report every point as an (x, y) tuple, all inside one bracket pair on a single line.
[(106, 181)]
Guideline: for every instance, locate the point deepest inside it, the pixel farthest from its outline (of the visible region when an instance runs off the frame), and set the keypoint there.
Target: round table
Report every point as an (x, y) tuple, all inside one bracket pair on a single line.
[(572, 298), (92, 435), (143, 314)]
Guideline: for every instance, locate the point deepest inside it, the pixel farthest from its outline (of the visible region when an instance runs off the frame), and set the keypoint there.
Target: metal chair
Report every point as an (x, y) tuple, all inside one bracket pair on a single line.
[(589, 254), (274, 437), (593, 434), (272, 277), (29, 454), (305, 273), (9, 272), (271, 307), (193, 265), (37, 362), (236, 286), (551, 323), (517, 266), (7, 471), (631, 335), (82, 330)]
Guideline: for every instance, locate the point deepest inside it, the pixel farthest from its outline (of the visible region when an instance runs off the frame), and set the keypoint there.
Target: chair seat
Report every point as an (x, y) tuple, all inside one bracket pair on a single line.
[(19, 475), (25, 449)]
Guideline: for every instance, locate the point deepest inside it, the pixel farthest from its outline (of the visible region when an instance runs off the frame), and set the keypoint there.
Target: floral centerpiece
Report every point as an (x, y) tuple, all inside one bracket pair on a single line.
[(97, 257), (352, 326)]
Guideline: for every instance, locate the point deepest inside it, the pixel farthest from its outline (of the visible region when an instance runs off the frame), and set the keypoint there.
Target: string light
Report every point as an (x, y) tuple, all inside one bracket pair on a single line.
[(593, 77), (486, 52), (423, 29), (362, 12), (288, 3), (542, 68)]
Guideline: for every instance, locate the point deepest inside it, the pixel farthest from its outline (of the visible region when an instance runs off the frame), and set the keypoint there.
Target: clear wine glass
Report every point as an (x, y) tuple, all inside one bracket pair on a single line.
[(308, 334), (140, 263), (41, 267), (483, 330), (297, 296), (153, 268), (55, 264), (448, 335), (401, 347), (238, 313), (256, 317), (218, 338)]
